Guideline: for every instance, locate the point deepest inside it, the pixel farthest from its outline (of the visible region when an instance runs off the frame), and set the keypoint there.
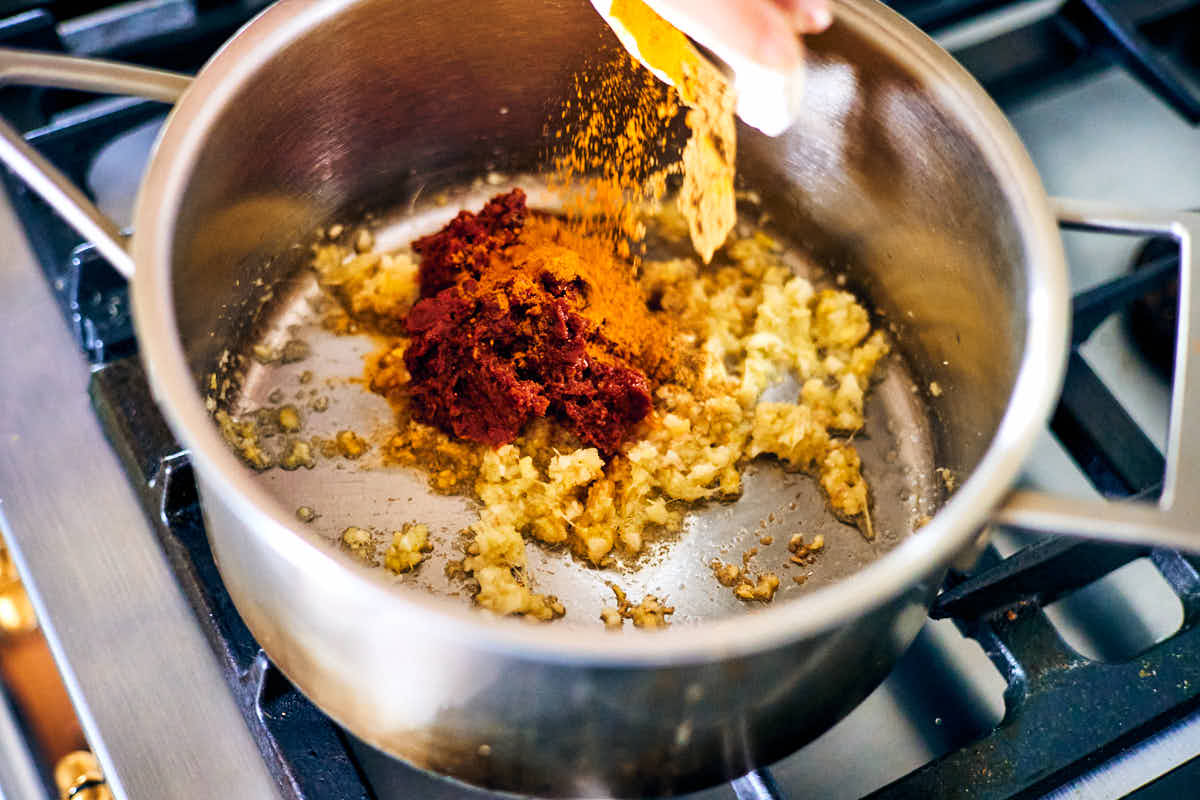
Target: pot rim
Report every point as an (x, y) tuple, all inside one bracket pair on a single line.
[(953, 527)]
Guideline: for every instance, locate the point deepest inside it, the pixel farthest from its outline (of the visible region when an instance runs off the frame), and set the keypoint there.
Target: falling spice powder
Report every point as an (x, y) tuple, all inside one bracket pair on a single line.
[(706, 198)]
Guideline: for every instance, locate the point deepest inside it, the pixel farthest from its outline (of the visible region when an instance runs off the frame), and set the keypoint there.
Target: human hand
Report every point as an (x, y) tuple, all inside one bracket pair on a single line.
[(764, 31), (757, 42)]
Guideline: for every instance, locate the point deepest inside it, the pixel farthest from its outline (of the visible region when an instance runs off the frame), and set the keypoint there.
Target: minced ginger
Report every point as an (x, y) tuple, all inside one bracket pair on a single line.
[(410, 545), (741, 327), (649, 613)]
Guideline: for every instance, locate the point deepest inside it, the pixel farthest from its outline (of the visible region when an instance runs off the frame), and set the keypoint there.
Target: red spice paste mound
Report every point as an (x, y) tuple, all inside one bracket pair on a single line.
[(514, 323), (468, 241)]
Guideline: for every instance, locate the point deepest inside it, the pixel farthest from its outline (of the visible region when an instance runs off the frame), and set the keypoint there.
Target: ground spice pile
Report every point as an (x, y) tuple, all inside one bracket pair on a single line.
[(522, 316)]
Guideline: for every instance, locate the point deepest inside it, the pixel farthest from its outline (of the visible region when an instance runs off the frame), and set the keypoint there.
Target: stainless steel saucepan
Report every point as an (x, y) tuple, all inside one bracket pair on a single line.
[(901, 174)]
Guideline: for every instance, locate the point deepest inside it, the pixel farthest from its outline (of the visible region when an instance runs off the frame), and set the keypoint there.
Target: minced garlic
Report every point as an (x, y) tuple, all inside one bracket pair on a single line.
[(243, 437), (745, 585), (297, 453), (289, 419), (350, 444), (360, 542), (649, 613), (763, 589), (375, 287), (409, 547)]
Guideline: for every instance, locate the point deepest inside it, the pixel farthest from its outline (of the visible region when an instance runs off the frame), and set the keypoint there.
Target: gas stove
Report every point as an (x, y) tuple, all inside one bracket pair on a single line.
[(1053, 667)]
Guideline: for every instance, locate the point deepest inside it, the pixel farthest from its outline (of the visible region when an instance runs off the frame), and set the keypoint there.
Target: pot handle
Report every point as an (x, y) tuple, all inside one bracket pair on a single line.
[(1174, 522), (26, 68)]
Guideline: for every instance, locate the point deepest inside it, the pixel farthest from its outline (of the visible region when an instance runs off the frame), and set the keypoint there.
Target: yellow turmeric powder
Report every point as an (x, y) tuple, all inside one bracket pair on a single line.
[(613, 300), (662, 45), (616, 126)]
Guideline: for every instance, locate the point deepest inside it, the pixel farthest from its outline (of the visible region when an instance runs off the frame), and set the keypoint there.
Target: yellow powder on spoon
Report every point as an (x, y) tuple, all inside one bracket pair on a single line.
[(706, 198)]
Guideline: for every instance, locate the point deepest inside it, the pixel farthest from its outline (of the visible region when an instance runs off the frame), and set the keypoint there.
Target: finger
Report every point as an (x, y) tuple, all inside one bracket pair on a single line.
[(757, 30), (808, 16)]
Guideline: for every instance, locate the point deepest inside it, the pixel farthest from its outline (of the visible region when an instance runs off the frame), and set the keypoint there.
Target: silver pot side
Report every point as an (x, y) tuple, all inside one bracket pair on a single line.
[(903, 175), (518, 721)]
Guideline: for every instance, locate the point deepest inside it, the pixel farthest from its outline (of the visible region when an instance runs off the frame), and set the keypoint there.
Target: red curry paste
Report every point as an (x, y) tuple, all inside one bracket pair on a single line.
[(512, 324)]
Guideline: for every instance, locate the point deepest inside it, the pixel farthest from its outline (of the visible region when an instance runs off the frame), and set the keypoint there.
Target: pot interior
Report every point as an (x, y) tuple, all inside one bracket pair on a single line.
[(386, 105)]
